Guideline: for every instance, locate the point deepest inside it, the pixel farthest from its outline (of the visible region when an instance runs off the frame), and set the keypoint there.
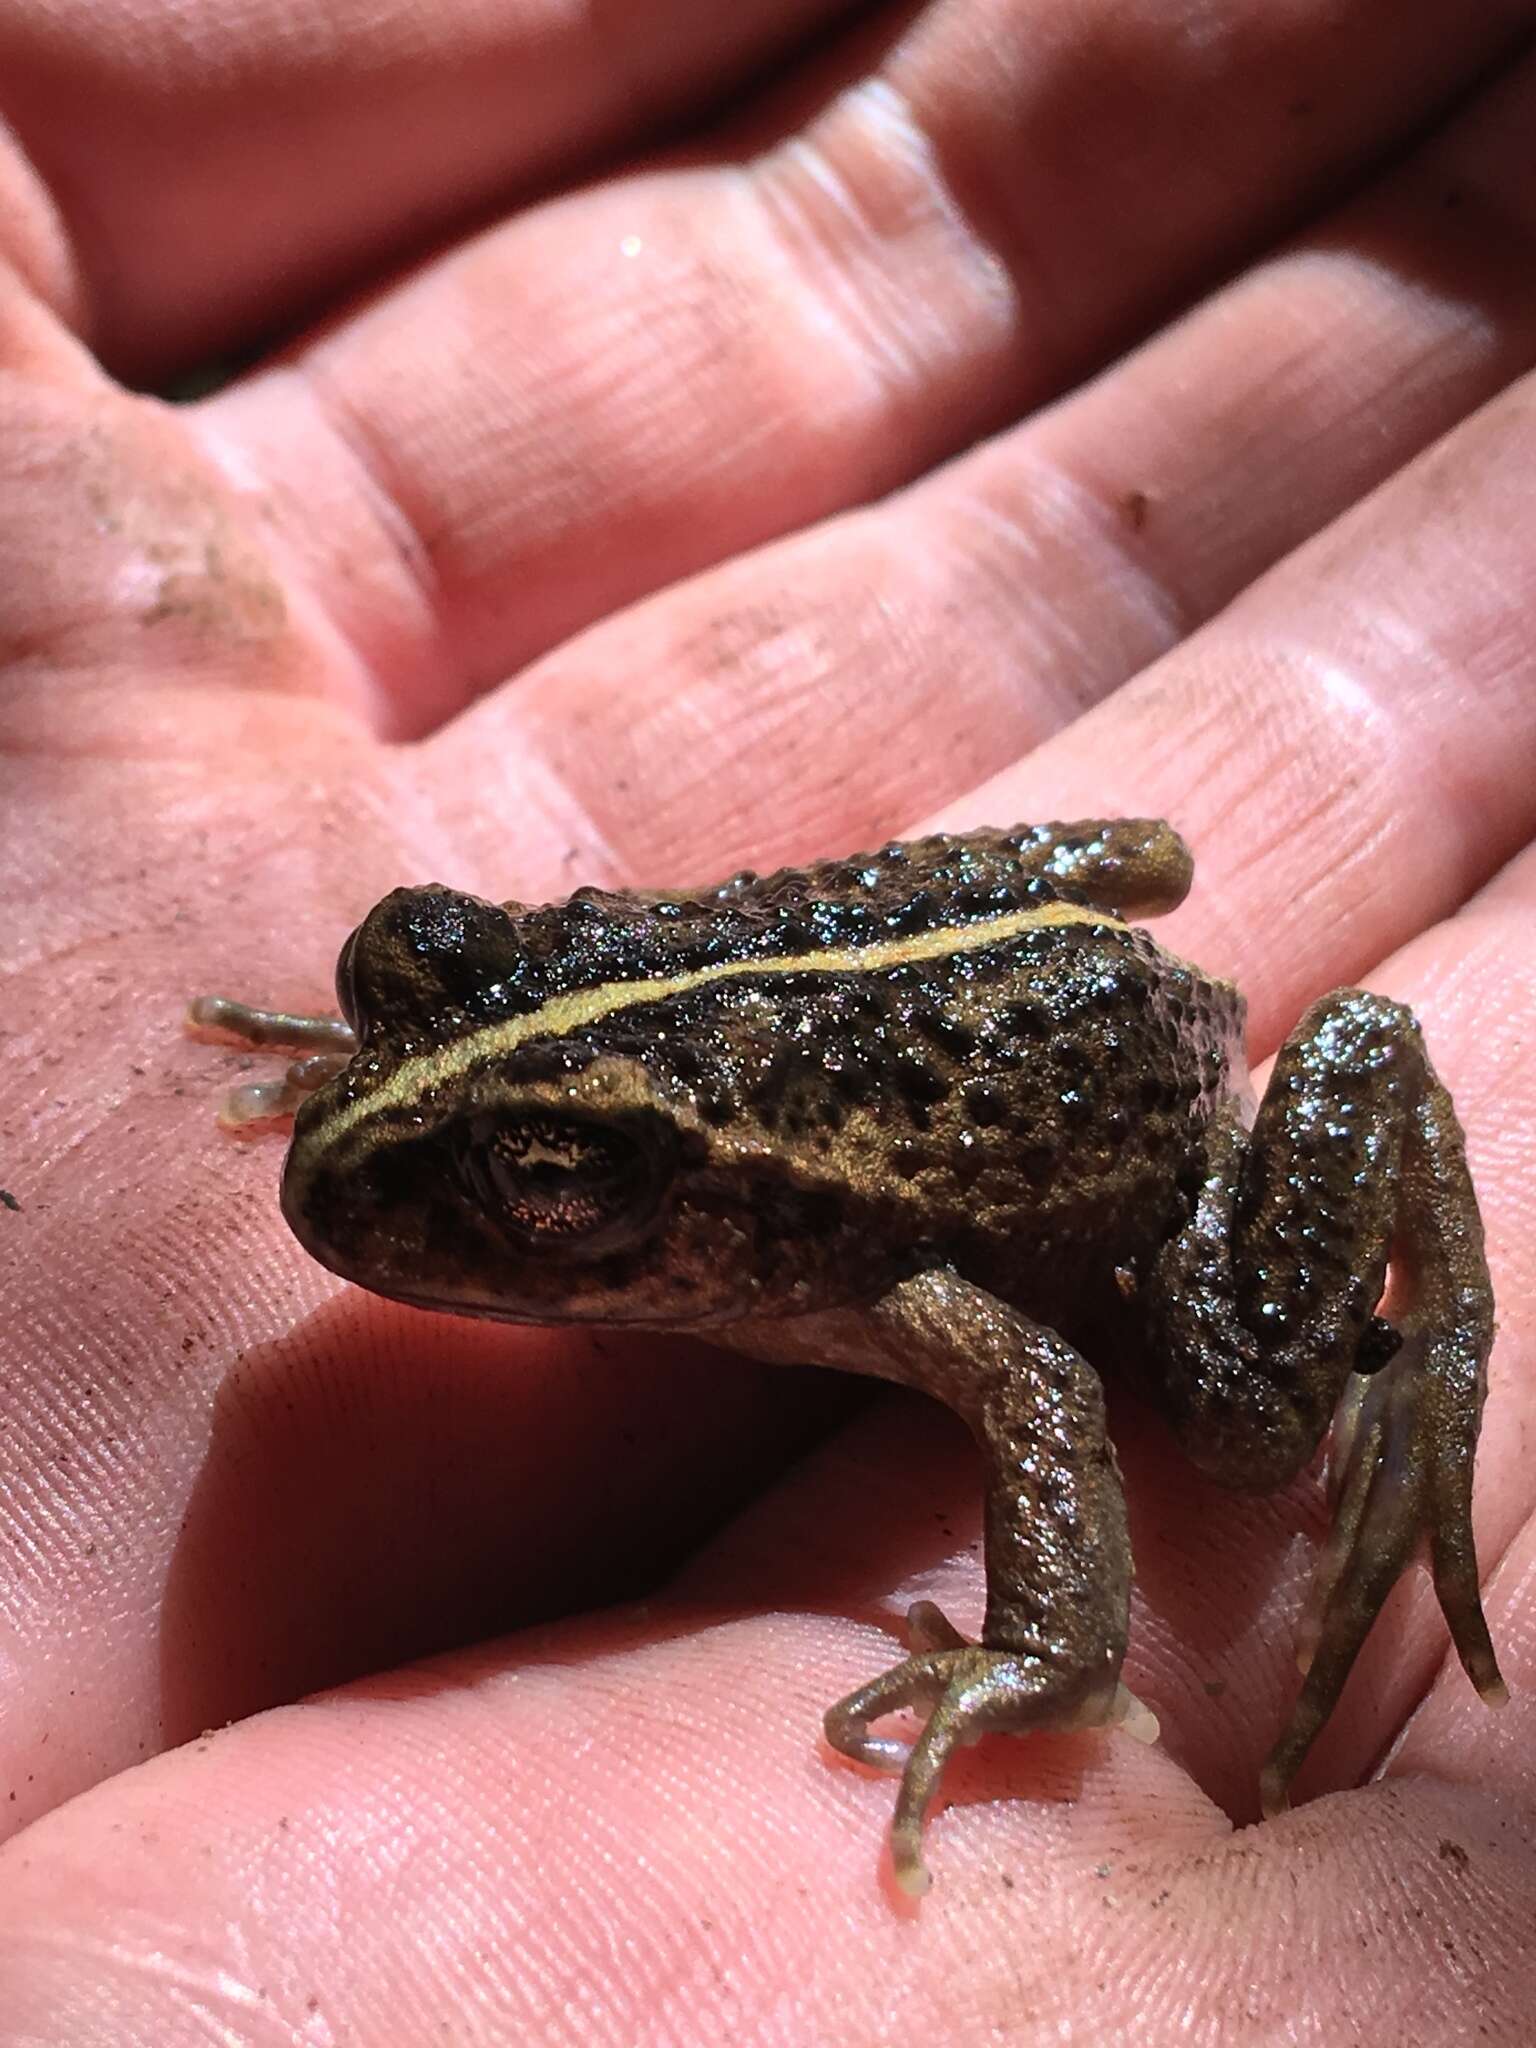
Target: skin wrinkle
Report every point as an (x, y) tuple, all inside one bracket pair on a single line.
[(398, 558), (897, 191), (368, 456), (1341, 761), (1080, 522), (941, 295), (385, 87)]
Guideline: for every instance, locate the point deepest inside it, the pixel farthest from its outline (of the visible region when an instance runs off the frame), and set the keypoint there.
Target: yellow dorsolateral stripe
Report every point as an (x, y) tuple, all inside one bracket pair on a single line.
[(566, 1013)]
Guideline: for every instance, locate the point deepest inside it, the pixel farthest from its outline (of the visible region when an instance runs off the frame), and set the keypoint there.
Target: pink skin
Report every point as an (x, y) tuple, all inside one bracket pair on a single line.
[(731, 389)]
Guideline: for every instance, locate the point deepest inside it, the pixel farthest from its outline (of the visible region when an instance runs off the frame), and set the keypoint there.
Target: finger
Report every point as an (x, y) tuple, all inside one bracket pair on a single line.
[(530, 1812), (616, 388), (591, 1835), (212, 183), (901, 654), (1350, 739)]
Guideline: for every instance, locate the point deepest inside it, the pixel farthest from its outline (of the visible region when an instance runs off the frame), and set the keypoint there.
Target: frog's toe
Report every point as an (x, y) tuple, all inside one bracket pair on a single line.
[(919, 1682), (1399, 1473), (929, 1628), (916, 1683), (217, 1020), (1134, 1716), (256, 1107), (970, 1691)]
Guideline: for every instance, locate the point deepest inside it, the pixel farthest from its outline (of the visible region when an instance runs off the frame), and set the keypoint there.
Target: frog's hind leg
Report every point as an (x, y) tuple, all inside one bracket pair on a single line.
[(1264, 1311)]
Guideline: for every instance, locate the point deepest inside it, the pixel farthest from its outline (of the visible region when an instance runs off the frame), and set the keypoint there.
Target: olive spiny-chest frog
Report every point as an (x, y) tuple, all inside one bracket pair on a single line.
[(942, 1114)]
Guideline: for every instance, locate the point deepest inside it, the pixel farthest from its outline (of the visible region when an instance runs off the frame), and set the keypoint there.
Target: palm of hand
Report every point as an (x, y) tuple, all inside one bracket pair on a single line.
[(665, 451)]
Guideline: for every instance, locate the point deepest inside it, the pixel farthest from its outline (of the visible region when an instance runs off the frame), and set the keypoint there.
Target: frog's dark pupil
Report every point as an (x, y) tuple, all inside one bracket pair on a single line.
[(547, 1177)]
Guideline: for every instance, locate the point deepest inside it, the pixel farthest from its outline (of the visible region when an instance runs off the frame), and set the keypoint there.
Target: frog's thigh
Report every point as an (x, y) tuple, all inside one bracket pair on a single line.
[(1260, 1307), (1058, 1560)]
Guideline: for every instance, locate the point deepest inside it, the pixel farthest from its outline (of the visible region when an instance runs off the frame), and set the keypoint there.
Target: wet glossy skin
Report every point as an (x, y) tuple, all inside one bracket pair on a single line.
[(943, 1115)]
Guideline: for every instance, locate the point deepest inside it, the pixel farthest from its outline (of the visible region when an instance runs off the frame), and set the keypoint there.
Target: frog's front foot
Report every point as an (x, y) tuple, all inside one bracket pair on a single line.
[(327, 1043), (970, 1691)]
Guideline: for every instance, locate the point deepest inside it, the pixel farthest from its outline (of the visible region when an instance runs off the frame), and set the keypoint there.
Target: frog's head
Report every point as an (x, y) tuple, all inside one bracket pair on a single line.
[(543, 1160)]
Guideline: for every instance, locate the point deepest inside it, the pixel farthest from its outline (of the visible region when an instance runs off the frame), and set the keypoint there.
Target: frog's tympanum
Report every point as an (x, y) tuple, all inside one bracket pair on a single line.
[(944, 1114)]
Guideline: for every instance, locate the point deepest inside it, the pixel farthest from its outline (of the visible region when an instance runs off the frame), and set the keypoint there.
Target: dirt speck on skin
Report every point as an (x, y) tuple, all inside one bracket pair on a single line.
[(1453, 1852), (1136, 509), (9, 1201), (220, 594)]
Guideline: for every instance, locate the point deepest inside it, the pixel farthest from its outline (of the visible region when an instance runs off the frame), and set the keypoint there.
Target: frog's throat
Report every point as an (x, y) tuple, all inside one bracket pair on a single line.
[(575, 1008)]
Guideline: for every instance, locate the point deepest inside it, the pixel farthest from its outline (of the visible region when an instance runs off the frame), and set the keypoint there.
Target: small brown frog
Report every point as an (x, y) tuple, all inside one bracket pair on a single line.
[(942, 1114)]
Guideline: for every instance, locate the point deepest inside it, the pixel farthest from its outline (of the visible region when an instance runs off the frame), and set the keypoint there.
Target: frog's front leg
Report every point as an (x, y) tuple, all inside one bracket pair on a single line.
[(327, 1043), (1058, 1557), (1263, 1316)]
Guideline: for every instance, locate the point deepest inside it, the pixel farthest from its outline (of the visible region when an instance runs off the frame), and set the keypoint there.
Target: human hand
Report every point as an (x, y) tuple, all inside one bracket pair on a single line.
[(638, 535)]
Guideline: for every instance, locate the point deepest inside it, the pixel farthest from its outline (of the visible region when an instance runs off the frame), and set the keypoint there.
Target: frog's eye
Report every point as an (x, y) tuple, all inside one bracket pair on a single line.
[(555, 1180)]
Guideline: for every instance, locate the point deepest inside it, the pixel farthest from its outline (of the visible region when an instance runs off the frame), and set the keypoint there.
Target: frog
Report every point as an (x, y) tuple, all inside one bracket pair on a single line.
[(946, 1114)]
